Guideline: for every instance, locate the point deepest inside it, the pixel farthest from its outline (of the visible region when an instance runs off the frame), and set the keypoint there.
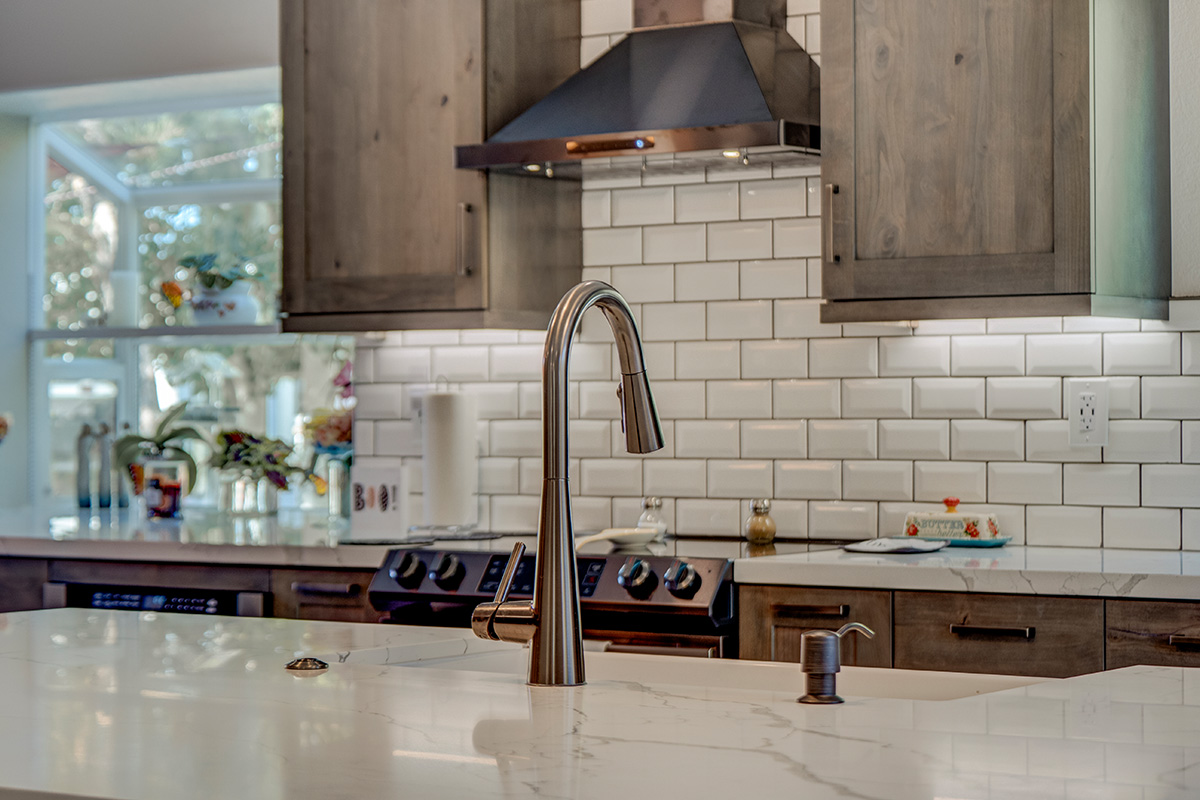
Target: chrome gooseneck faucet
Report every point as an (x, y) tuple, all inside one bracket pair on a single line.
[(551, 621)]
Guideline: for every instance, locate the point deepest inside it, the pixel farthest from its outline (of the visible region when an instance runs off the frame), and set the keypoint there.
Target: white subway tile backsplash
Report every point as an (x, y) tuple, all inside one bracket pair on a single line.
[(644, 206), (734, 241), (1191, 529), (670, 322), (1024, 398), (739, 399), (605, 16), (1099, 325), (740, 478), (670, 243), (1101, 484), (518, 362), (422, 338), (1024, 483), (498, 476), (364, 437), (380, 401), (987, 440), (774, 358), (649, 283), (1024, 325), (948, 397), (1063, 354), (1063, 526), (679, 399), (400, 365), (807, 399), (913, 355), (1171, 398), (773, 198), (708, 517), (605, 246), (460, 363), (987, 355), (877, 480), (784, 277), (611, 476), (516, 438), (1191, 353), (717, 280), (706, 202), (843, 520), (934, 480), (947, 327), (791, 517), (1048, 440), (590, 438), (926, 439), (1141, 353), (843, 358), (707, 360), (597, 209), (808, 480), (1142, 528), (591, 514), (494, 400), (1124, 397), (841, 438), (659, 358), (515, 514), (706, 439), (800, 319), (739, 319), (877, 398), (1175, 485), (1191, 442), (1143, 442), (598, 399), (814, 277), (397, 438), (676, 477), (798, 238), (773, 438)]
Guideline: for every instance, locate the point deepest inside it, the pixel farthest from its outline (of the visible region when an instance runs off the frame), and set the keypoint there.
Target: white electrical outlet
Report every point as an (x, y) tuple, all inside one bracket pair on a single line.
[(1087, 411)]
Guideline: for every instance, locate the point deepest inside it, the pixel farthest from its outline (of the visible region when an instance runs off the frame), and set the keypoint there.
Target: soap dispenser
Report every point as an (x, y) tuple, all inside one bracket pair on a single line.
[(821, 661)]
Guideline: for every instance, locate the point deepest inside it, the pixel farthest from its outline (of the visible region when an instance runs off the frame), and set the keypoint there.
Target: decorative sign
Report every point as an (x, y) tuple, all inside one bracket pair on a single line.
[(379, 501)]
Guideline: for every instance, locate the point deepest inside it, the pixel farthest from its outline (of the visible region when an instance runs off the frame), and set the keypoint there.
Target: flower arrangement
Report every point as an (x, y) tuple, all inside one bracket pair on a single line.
[(166, 442), (211, 275), (254, 456), (330, 432)]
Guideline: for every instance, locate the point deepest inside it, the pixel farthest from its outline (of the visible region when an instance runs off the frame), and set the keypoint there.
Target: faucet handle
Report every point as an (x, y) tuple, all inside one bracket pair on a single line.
[(510, 572), (855, 627)]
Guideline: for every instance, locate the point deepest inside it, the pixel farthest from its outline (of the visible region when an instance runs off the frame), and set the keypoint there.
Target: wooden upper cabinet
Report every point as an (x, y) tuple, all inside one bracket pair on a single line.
[(380, 229), (977, 161)]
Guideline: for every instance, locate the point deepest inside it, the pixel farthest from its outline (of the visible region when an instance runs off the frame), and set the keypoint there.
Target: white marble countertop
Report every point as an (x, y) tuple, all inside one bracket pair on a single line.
[(131, 706), (1083, 572)]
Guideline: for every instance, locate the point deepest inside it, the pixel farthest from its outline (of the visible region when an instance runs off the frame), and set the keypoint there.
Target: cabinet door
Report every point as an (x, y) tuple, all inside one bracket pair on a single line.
[(955, 148), (1152, 632), (21, 581), (772, 619), (337, 596), (1052, 637), (376, 94)]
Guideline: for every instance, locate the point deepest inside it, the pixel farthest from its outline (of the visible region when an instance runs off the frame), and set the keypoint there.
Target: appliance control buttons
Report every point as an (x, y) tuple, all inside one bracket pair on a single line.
[(409, 572), (448, 573), (681, 579), (637, 577)]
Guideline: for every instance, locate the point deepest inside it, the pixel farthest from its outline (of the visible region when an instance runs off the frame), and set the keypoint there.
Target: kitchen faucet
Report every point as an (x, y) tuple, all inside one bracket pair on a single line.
[(551, 621)]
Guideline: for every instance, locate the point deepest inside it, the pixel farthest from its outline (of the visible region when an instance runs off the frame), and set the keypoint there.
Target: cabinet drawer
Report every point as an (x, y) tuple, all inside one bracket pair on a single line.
[(336, 596), (1053, 637), (772, 619), (1151, 632)]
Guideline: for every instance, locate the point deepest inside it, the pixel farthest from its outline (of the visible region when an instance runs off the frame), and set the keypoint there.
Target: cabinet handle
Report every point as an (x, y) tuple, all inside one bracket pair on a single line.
[(827, 220), (1180, 641), (327, 589), (462, 251), (810, 611), (990, 630)]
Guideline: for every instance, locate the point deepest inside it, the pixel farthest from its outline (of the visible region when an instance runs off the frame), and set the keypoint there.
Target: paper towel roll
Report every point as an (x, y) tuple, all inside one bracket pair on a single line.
[(451, 458)]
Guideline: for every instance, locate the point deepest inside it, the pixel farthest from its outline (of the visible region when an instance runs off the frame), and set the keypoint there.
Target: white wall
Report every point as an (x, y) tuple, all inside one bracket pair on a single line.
[(1185, 147), (14, 305), (50, 43)]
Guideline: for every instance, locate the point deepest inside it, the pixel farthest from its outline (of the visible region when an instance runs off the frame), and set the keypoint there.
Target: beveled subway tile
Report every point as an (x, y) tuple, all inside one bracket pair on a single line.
[(934, 480), (877, 398), (773, 438), (1063, 526), (706, 202), (915, 356), (739, 399), (643, 206), (1142, 528), (948, 397), (1025, 483), (843, 520), (841, 438), (774, 198), (987, 440), (1024, 398), (706, 439), (808, 480), (774, 278), (734, 241), (1142, 353), (774, 358), (706, 280), (739, 319), (807, 399), (740, 478), (1063, 354), (670, 243), (843, 358), (1101, 484), (877, 480), (925, 439), (987, 355), (707, 360)]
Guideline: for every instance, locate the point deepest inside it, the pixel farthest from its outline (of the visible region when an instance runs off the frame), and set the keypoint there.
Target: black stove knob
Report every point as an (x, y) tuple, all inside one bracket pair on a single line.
[(409, 572), (637, 577), (448, 573), (681, 579)]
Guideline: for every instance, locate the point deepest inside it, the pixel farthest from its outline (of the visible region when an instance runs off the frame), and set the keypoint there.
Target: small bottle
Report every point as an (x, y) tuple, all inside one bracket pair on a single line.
[(104, 443), (760, 528), (83, 466), (652, 515)]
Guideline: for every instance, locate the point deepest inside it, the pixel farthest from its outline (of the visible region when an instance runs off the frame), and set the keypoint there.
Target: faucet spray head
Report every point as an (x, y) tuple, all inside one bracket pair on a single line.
[(639, 417)]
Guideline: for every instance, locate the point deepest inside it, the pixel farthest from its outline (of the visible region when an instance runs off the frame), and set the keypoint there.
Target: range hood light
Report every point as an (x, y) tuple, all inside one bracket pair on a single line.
[(533, 167), (732, 153), (549, 170)]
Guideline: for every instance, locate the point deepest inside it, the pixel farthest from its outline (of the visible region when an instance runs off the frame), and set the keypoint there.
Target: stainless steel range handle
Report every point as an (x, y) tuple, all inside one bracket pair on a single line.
[(462, 251), (347, 590)]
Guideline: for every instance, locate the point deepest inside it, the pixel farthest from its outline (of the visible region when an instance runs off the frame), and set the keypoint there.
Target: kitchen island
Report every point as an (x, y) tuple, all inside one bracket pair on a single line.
[(125, 705)]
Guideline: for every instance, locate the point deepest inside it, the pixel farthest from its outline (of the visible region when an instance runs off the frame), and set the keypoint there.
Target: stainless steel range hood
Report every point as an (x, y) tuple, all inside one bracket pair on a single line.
[(719, 82)]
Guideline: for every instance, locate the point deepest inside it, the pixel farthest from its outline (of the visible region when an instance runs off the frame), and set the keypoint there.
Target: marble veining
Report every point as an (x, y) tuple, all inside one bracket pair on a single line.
[(1079, 572)]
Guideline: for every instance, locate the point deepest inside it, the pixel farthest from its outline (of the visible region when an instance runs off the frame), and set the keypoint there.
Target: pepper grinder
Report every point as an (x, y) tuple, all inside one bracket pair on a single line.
[(760, 528)]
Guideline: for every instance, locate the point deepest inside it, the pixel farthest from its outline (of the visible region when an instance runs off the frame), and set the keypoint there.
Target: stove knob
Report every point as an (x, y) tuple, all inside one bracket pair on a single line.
[(409, 572), (681, 579), (448, 573), (637, 577)]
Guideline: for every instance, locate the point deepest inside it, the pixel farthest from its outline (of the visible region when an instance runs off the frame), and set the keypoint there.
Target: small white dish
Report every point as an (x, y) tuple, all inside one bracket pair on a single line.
[(896, 545), (622, 536)]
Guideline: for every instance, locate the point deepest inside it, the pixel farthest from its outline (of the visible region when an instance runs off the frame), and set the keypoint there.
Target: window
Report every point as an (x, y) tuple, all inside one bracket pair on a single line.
[(126, 199)]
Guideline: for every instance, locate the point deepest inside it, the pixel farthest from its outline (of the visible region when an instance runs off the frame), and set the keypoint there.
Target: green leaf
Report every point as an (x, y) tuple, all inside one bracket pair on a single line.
[(184, 456), (181, 434), (126, 450), (168, 419)]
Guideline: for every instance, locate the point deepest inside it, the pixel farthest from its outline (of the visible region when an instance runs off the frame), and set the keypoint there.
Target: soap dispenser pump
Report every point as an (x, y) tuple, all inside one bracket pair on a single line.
[(821, 660)]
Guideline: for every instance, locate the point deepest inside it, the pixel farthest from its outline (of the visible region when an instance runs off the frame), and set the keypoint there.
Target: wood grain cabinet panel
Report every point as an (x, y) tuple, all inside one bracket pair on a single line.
[(1152, 632), (332, 595), (1053, 637), (773, 618), (21, 581), (994, 158)]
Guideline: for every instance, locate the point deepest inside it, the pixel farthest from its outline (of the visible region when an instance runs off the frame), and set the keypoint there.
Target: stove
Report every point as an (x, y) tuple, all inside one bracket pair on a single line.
[(675, 597)]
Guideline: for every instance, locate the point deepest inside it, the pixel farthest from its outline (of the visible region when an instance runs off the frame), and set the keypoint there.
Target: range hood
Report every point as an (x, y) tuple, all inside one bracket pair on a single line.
[(718, 83)]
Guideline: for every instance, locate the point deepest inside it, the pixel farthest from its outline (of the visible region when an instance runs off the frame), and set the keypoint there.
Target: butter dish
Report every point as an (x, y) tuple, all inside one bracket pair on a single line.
[(957, 528)]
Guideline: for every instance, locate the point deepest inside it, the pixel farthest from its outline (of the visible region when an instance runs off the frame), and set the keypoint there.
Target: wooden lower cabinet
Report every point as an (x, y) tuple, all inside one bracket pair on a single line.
[(1053, 637), (333, 595), (772, 619), (21, 581), (1152, 632)]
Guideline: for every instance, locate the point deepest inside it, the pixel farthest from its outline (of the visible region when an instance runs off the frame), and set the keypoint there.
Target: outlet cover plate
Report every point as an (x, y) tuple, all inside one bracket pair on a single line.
[(1087, 412)]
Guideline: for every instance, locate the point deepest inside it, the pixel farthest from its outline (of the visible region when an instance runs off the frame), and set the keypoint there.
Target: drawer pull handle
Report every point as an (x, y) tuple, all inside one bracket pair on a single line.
[(990, 630), (462, 253), (327, 589), (827, 221), (811, 611), (1180, 641)]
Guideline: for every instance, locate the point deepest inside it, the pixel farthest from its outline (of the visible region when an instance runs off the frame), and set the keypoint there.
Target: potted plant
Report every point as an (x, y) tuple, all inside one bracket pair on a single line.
[(257, 465), (222, 296), (144, 457)]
